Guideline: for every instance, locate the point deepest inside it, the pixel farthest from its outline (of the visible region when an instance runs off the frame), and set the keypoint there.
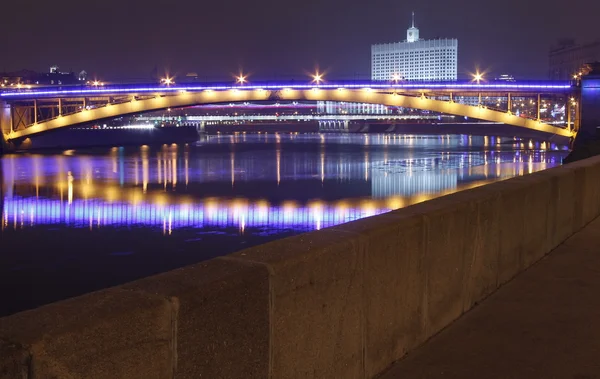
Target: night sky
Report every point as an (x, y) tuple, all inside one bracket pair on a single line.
[(126, 39)]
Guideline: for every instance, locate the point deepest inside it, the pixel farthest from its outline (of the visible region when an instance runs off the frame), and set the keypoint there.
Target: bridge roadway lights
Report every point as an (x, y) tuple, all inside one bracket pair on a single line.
[(366, 95)]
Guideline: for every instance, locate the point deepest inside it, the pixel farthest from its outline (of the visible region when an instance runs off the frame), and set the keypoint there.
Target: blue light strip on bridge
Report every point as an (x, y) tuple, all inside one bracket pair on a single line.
[(450, 86)]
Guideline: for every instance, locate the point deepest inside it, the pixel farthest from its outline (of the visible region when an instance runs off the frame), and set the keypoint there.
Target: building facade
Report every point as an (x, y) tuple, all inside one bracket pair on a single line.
[(569, 58), (415, 59)]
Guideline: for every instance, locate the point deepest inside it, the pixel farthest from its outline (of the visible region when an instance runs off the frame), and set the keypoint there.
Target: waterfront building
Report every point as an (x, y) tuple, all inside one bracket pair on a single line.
[(415, 58), (569, 58)]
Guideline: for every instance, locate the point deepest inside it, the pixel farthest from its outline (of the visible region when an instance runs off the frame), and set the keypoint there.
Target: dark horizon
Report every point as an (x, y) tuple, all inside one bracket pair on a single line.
[(116, 40)]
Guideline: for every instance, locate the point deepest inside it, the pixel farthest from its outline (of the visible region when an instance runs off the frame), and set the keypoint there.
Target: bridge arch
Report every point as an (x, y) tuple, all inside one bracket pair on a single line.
[(183, 99)]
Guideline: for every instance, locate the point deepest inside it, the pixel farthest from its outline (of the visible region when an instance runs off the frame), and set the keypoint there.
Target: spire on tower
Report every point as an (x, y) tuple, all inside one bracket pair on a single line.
[(413, 19)]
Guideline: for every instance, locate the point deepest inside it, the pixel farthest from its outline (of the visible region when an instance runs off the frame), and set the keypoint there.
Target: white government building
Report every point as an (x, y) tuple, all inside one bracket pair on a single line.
[(415, 58)]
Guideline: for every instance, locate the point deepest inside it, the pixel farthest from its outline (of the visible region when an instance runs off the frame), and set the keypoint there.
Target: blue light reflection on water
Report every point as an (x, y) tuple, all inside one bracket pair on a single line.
[(80, 220)]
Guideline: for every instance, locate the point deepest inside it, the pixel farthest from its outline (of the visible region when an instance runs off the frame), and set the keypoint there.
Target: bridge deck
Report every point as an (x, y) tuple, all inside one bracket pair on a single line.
[(154, 88), (542, 324)]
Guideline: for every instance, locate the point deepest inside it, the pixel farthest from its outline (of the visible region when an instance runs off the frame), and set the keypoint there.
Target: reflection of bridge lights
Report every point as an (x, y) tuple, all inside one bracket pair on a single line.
[(395, 202), (160, 200), (341, 209), (136, 198), (263, 209)]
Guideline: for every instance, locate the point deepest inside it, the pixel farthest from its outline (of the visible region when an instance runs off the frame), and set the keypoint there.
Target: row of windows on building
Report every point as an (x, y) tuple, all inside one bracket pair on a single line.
[(418, 52), (416, 57), (413, 69), (410, 65)]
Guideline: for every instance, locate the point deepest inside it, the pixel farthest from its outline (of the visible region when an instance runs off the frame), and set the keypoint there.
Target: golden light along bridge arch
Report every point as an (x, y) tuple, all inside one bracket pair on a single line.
[(146, 102)]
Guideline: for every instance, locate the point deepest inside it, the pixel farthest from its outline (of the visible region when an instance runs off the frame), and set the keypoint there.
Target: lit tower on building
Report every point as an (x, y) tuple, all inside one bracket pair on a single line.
[(415, 58), (412, 34)]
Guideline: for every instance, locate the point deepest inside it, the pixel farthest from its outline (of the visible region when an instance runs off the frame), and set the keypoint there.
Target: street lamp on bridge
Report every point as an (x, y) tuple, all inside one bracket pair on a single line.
[(241, 79), (317, 78), (478, 77), (167, 81)]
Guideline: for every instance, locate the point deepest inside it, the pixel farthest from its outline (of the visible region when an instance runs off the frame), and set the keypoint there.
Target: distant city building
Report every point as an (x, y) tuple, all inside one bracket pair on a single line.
[(82, 77), (28, 77), (569, 58), (505, 78), (191, 76), (415, 58)]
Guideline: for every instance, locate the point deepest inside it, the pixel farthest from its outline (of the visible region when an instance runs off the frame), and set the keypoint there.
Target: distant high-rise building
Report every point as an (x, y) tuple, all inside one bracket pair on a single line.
[(415, 58), (569, 58), (506, 78)]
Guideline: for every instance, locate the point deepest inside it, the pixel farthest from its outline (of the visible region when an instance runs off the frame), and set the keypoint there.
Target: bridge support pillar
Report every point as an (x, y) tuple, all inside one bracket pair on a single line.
[(509, 104), (5, 126), (539, 105), (568, 112), (587, 117), (201, 127)]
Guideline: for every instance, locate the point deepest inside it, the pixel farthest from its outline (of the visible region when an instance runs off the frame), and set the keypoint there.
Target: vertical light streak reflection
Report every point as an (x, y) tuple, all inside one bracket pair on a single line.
[(530, 164), (232, 160), (278, 159), (38, 176), (174, 167), (113, 156), (70, 187), (187, 167), (145, 168), (322, 158), (166, 173), (366, 165), (159, 167), (136, 173)]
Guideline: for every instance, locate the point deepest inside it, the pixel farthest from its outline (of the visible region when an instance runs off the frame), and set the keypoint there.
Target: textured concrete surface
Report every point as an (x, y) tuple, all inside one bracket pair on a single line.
[(545, 323), (222, 320), (316, 304), (108, 334)]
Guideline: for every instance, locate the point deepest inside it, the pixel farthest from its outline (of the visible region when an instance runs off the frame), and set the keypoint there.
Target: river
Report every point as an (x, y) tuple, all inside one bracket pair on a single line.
[(75, 221)]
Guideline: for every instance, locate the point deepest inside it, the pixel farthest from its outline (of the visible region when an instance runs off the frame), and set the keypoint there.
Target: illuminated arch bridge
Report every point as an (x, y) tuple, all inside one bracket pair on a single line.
[(27, 112)]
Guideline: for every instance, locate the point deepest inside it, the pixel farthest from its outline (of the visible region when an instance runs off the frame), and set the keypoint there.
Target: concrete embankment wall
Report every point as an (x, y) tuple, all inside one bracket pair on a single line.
[(344, 302)]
